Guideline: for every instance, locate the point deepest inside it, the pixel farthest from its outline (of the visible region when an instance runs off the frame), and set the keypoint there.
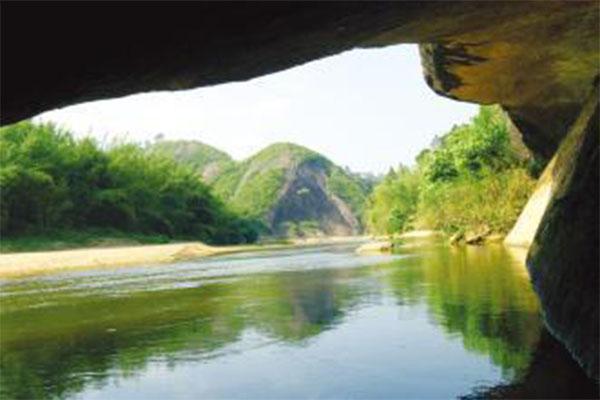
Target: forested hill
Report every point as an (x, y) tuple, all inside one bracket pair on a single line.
[(292, 189), (207, 161)]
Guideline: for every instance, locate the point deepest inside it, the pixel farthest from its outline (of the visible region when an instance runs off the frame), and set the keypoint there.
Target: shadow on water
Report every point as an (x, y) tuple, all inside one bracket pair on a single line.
[(551, 374), (65, 336)]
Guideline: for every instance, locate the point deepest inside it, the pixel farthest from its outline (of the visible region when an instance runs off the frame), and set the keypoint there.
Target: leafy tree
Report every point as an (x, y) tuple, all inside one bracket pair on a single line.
[(392, 205), (49, 181), (469, 177)]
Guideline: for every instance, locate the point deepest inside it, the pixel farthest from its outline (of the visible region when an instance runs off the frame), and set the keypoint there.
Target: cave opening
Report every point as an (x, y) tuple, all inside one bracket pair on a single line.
[(538, 62)]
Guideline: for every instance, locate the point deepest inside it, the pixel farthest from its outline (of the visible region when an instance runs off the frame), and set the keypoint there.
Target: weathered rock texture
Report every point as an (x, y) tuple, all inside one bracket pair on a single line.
[(564, 259), (537, 59), (524, 231), (538, 66), (305, 197)]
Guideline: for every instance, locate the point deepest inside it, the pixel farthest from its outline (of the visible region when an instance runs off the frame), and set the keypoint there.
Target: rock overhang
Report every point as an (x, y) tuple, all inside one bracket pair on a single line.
[(537, 59)]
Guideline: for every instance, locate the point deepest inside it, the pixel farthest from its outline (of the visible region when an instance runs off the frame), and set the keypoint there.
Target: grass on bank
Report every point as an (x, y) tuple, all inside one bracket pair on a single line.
[(99, 238), (69, 239)]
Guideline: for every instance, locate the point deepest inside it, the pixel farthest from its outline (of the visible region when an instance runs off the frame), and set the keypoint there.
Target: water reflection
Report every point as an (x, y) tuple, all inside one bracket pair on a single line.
[(91, 333), (482, 295)]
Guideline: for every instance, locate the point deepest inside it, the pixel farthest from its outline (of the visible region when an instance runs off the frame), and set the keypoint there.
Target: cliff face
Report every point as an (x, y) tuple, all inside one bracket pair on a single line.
[(560, 226), (539, 60), (305, 196)]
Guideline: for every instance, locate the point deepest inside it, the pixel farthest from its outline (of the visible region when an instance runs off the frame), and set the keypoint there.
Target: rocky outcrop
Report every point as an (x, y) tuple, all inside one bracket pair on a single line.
[(564, 260), (561, 164), (287, 186), (306, 198), (539, 67)]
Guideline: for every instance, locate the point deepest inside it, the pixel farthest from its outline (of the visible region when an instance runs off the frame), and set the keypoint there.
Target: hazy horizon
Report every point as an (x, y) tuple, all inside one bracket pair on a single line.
[(368, 109)]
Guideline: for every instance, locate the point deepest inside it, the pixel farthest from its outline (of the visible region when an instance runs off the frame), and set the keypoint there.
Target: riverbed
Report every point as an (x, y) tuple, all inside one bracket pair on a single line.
[(430, 321)]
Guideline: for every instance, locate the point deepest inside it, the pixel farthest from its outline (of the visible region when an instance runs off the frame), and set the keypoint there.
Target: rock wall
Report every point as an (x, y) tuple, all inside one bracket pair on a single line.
[(524, 231), (538, 67), (305, 197), (564, 261)]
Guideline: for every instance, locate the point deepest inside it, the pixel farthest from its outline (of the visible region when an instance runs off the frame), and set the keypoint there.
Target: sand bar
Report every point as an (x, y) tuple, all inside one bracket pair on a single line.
[(15, 265)]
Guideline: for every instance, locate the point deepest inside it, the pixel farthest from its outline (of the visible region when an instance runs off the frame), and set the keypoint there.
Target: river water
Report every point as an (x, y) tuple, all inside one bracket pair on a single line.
[(323, 322)]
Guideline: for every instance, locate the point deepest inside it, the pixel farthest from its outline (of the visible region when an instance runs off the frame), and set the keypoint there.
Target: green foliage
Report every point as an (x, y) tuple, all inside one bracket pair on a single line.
[(470, 177), (494, 200), (349, 187), (49, 182), (252, 186), (257, 196), (206, 160), (468, 150), (393, 203), (301, 228), (71, 239)]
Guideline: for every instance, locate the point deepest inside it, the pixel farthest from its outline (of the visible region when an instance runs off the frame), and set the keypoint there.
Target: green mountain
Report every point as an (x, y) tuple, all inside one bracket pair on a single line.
[(295, 191), (292, 189), (206, 160)]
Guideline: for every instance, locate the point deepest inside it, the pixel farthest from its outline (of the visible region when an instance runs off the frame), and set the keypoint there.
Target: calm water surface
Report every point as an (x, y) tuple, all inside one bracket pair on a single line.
[(429, 322)]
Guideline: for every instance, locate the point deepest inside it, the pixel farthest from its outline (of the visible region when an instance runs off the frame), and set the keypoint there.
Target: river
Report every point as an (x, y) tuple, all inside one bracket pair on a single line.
[(431, 321)]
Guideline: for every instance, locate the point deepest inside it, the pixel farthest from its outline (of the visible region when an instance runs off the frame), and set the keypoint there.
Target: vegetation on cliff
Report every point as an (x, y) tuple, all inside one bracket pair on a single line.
[(285, 175), (51, 182), (471, 177), (206, 160)]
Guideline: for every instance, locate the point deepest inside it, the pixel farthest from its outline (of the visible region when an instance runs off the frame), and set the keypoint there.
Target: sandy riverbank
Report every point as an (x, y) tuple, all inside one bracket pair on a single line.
[(36, 263), (20, 264)]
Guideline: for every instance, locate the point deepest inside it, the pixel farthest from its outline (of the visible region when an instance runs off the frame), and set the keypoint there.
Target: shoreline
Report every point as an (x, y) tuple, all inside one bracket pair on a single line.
[(16, 265)]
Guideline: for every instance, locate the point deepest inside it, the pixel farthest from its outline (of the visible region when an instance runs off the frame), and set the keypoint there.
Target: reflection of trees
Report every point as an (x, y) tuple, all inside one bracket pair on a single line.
[(298, 305), (407, 281), (56, 351), (479, 293)]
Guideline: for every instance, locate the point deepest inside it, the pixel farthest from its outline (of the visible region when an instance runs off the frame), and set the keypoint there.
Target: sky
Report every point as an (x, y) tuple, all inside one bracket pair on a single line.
[(368, 109)]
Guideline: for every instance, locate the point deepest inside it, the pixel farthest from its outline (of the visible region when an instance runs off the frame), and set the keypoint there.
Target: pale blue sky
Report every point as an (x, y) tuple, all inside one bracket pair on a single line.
[(366, 109)]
